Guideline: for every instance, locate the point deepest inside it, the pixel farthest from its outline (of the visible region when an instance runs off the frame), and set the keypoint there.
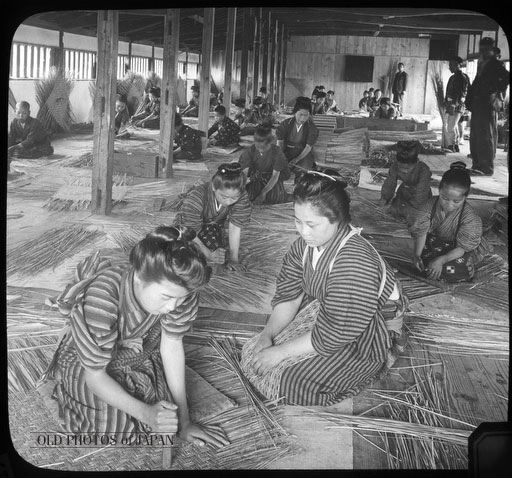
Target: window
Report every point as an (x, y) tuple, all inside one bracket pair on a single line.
[(79, 64), (29, 61), (359, 68)]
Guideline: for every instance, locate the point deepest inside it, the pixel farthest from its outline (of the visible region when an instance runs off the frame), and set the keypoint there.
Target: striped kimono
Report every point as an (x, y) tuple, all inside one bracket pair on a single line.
[(350, 335), (200, 211), (109, 329), (430, 218)]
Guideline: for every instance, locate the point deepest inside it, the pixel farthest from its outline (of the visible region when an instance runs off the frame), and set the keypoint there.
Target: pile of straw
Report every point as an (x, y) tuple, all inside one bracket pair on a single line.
[(461, 336), (49, 250), (395, 136), (436, 78), (83, 161)]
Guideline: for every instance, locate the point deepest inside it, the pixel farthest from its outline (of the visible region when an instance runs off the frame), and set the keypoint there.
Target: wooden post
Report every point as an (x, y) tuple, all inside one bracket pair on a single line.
[(272, 76), (279, 44), (169, 86), (206, 64), (283, 62), (129, 64), (230, 51), (104, 101), (257, 38), (151, 62), (245, 54), (264, 41)]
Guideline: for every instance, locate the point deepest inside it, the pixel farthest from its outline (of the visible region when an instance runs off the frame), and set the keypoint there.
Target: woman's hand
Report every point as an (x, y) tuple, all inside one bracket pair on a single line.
[(218, 256), (162, 417), (214, 435), (232, 265), (267, 359), (263, 342), (418, 263), (260, 199), (435, 268)]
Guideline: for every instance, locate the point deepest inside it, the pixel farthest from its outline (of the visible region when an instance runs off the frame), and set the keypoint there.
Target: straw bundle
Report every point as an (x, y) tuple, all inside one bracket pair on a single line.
[(49, 250), (493, 294), (52, 95), (83, 161), (395, 136), (461, 336), (436, 78), (76, 196), (268, 384), (349, 148)]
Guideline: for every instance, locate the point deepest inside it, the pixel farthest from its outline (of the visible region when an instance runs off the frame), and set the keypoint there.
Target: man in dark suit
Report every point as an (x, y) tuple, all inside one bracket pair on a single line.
[(399, 86)]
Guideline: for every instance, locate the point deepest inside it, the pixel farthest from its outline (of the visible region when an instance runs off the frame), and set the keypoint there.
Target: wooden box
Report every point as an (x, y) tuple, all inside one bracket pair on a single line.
[(137, 163)]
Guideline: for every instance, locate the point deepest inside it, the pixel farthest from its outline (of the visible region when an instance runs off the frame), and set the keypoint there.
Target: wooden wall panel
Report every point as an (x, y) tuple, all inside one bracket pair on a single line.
[(321, 61)]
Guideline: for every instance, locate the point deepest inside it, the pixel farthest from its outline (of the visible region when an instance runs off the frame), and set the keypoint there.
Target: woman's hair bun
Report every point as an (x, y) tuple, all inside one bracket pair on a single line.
[(172, 234), (230, 169), (461, 165)]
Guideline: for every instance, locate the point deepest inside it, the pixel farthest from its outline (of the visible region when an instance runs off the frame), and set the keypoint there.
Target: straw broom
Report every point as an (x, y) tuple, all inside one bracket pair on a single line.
[(436, 78)]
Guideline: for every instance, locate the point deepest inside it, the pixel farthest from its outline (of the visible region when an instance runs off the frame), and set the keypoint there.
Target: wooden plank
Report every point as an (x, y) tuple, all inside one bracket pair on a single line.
[(256, 50), (272, 76), (283, 62), (265, 42), (245, 54), (169, 87), (104, 104), (206, 65), (279, 51), (230, 50)]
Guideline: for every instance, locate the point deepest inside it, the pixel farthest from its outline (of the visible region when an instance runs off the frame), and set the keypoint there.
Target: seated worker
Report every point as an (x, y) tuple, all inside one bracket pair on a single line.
[(192, 109), (122, 118), (415, 188), (330, 103), (319, 108), (242, 115), (206, 209), (27, 137), (266, 167), (447, 231), (374, 102), (224, 131), (363, 102), (337, 314), (263, 94), (150, 117), (120, 366), (248, 119), (297, 136), (188, 141), (385, 110)]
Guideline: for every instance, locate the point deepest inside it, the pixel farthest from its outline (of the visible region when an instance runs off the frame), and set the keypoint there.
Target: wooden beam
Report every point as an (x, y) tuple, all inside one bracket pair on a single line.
[(206, 65), (264, 41), (283, 62), (279, 54), (245, 54), (272, 76), (104, 105), (256, 48), (230, 51), (169, 87)]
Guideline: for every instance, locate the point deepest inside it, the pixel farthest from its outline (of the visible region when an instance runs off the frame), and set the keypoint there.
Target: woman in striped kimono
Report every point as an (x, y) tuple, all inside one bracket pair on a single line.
[(206, 209), (120, 368), (447, 231), (337, 311)]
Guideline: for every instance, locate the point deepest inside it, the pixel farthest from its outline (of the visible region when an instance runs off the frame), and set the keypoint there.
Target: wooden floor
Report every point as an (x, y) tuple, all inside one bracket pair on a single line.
[(478, 385)]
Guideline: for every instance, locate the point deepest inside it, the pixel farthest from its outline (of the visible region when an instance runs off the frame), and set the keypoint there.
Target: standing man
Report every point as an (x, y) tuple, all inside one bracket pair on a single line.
[(399, 86), (455, 101), (485, 100)]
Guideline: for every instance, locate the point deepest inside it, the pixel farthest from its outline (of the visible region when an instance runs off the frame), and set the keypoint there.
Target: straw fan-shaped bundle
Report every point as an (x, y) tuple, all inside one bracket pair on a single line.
[(49, 250), (268, 384), (52, 95), (436, 78), (132, 88)]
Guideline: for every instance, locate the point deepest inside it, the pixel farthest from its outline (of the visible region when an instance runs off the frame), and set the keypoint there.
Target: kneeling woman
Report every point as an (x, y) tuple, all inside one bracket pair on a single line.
[(121, 366), (447, 231), (337, 311), (207, 207), (266, 166)]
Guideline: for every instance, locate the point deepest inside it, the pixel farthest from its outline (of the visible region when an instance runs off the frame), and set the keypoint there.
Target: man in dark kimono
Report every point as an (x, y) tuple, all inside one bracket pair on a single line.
[(485, 100), (399, 86), (27, 137)]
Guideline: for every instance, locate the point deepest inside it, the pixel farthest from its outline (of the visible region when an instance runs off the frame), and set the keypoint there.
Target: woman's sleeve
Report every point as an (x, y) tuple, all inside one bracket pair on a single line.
[(281, 131), (289, 280), (389, 185), (95, 326), (245, 158), (470, 232), (240, 213), (312, 134), (422, 189), (280, 163), (420, 223), (192, 210), (177, 323), (349, 305)]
